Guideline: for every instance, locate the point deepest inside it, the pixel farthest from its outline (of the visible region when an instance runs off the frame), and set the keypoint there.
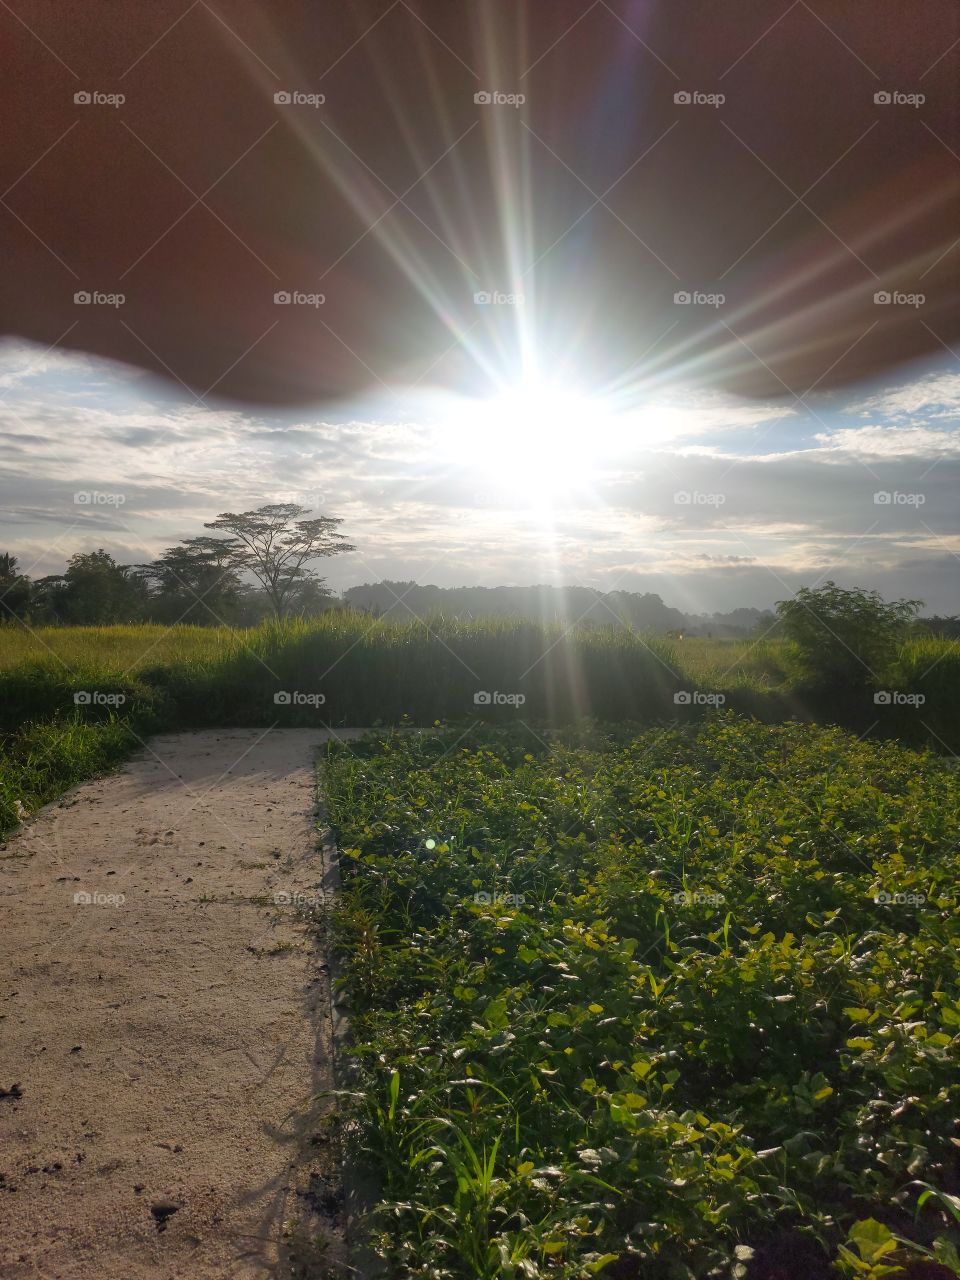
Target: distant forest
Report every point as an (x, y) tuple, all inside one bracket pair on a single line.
[(194, 584)]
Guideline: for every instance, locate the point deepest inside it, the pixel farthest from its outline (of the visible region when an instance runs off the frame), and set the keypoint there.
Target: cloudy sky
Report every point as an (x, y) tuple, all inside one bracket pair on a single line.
[(710, 501), (651, 225)]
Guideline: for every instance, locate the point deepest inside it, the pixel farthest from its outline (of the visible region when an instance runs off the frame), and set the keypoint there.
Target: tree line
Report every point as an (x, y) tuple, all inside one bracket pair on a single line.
[(643, 611), (263, 565)]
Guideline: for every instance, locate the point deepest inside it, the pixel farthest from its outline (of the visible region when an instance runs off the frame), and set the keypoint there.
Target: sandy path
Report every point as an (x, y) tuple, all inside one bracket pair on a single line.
[(167, 1044)]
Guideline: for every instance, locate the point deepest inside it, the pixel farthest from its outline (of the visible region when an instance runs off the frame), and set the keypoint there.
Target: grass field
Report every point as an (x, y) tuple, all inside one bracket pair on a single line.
[(349, 669), (126, 650), (654, 1004), (368, 672)]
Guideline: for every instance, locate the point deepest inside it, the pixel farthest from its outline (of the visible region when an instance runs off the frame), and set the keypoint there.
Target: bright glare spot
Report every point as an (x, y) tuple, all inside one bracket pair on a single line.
[(536, 442)]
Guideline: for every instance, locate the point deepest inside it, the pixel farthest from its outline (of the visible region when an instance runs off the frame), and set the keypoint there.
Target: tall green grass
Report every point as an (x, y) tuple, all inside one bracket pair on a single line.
[(358, 670), (47, 758), (349, 669)]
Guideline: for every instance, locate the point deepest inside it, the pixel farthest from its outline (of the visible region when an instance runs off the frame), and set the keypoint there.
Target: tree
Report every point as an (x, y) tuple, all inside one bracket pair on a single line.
[(309, 599), (193, 582), (15, 589), (276, 545), (94, 590), (844, 637)]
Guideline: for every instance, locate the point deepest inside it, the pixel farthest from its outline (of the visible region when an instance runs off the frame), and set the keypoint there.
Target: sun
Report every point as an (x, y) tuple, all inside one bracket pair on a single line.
[(539, 442)]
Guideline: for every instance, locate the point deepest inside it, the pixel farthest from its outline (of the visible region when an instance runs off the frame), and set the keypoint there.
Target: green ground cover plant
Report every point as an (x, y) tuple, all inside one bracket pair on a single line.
[(669, 1003)]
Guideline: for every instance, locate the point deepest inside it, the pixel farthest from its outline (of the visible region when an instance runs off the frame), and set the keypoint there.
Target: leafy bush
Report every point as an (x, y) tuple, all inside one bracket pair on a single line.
[(845, 638)]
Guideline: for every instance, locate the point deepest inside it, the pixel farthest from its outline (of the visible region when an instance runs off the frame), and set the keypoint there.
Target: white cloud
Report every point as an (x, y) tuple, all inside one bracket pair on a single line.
[(788, 515), (936, 395), (876, 441)]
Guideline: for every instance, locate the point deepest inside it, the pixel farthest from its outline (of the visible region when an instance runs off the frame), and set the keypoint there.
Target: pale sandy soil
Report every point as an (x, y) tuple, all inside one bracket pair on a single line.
[(166, 1047)]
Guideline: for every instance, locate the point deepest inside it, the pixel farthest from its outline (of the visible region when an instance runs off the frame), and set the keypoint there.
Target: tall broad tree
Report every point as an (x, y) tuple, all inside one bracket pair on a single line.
[(194, 582), (277, 545)]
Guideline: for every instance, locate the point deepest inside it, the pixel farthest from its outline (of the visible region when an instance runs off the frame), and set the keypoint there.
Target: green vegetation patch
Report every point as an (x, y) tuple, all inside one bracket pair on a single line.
[(45, 759), (657, 1004)]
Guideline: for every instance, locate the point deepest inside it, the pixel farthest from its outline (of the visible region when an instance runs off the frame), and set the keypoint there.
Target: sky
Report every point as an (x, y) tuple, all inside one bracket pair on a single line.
[(714, 502), (525, 270)]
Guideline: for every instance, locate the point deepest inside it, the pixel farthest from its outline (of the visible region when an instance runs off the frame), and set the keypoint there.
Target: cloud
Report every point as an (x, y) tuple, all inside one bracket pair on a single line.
[(877, 441), (755, 523), (936, 395)]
